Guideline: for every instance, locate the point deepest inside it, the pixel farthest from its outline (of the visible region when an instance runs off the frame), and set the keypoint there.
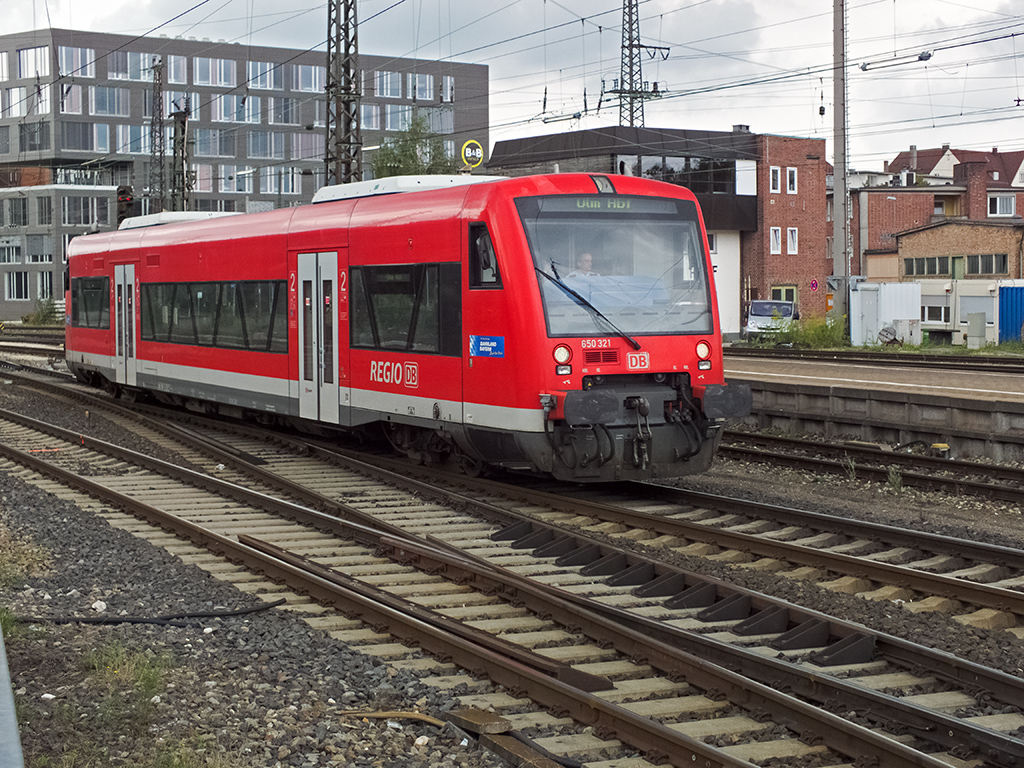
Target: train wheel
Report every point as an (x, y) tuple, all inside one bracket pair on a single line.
[(468, 465)]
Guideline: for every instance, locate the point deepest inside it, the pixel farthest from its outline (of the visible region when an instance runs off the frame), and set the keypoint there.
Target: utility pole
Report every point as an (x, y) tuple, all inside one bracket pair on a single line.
[(631, 88), (181, 189), (343, 149), (840, 282), (156, 140)]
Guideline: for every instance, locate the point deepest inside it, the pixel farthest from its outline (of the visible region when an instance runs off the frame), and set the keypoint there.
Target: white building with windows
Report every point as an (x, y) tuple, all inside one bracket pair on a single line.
[(77, 119)]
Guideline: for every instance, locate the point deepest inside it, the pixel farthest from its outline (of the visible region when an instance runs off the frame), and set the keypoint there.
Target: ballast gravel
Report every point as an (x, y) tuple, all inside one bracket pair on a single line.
[(266, 690), (261, 689)]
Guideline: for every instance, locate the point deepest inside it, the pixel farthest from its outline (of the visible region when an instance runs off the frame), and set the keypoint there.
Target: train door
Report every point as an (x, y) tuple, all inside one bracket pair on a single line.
[(124, 323), (319, 374)]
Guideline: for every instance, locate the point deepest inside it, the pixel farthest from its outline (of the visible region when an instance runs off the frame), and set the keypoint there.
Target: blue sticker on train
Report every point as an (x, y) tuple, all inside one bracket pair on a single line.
[(486, 346)]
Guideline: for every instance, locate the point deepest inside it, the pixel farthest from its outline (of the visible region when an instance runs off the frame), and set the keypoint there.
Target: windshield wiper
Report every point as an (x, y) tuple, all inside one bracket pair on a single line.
[(587, 305)]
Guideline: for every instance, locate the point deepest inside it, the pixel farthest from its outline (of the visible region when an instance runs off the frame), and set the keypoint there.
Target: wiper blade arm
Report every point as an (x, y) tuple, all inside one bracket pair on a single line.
[(587, 305)]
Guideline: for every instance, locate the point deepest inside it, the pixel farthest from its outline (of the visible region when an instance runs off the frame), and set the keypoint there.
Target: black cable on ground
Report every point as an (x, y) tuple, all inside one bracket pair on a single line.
[(170, 620)]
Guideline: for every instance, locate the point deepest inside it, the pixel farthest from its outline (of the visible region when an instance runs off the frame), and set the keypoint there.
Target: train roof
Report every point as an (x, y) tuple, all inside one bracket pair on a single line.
[(392, 185), (171, 217)]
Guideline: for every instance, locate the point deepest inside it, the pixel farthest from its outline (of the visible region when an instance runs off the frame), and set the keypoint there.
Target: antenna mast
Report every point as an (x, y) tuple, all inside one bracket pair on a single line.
[(156, 140), (343, 149)]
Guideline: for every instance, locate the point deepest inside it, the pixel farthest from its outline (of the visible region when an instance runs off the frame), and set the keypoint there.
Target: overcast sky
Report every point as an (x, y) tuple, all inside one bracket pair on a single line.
[(764, 64)]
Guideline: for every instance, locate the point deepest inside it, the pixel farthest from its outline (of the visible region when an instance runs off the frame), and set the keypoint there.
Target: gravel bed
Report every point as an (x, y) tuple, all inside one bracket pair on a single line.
[(265, 690), (261, 689)]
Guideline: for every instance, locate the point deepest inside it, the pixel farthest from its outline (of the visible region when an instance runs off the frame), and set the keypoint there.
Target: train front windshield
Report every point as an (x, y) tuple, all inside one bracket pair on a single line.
[(609, 264)]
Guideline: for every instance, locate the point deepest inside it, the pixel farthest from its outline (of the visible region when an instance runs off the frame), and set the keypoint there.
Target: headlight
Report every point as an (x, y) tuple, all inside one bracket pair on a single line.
[(562, 354), (703, 350)]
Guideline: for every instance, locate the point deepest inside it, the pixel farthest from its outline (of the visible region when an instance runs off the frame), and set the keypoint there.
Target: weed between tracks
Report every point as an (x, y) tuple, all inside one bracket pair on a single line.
[(81, 701)]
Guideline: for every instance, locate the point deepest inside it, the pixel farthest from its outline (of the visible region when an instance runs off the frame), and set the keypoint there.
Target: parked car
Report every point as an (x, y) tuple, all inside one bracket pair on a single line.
[(768, 317)]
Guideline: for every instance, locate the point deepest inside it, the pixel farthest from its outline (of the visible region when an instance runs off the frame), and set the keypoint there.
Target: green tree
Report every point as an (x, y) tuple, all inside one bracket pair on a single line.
[(415, 151)]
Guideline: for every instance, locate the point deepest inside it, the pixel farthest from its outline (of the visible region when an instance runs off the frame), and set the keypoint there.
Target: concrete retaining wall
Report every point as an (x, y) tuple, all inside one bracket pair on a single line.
[(972, 428)]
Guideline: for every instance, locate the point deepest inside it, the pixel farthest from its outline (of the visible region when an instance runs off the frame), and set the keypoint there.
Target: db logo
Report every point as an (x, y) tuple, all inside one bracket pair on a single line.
[(638, 361), (412, 375)]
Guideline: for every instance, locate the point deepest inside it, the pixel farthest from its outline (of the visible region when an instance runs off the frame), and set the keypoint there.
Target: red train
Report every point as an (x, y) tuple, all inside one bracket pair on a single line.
[(563, 324)]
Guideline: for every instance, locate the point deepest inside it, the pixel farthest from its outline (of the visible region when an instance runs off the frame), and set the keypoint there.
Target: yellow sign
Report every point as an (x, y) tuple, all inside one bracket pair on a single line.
[(472, 153)]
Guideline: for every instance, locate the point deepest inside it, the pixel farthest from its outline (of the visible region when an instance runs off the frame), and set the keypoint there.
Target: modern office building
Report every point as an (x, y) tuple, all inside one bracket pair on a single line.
[(77, 122)]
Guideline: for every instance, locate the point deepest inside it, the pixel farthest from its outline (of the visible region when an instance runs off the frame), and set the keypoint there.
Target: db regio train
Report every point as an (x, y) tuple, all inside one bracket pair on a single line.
[(560, 324)]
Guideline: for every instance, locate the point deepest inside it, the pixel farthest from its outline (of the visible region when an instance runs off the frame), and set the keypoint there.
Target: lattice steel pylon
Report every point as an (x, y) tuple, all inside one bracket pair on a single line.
[(631, 88), (156, 140), (343, 150), (631, 105), (182, 181)]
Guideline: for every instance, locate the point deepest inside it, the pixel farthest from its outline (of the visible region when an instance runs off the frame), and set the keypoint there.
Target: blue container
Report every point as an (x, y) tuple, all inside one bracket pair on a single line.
[(1011, 313)]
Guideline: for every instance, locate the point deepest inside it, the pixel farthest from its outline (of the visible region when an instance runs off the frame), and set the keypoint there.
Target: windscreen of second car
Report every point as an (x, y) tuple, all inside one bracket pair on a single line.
[(771, 309), (639, 261)]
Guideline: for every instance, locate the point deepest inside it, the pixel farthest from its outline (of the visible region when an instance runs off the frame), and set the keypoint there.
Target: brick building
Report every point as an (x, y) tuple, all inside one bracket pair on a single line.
[(763, 199), (960, 216), (77, 117)]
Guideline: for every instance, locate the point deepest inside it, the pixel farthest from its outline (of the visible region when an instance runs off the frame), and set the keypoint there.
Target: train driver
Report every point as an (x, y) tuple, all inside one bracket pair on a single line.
[(584, 266)]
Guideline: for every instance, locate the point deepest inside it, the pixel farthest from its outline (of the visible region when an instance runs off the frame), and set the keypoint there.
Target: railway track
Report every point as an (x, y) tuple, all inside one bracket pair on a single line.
[(576, 553), (960, 362), (873, 463)]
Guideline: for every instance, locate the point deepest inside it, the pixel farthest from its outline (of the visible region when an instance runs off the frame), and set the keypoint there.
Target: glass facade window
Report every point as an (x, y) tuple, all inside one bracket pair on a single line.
[(214, 142), (44, 211), (132, 139), (77, 62), (82, 210), (222, 72), (101, 137), (39, 249), (16, 286), (33, 137), (4, 71), (370, 117), (34, 62), (284, 111), (178, 101), (264, 75), (109, 100), (76, 136), (266, 145), (447, 88), (16, 103), (281, 181), (397, 117), (236, 108), (419, 87), (701, 175), (308, 78), (10, 252), (202, 177), (307, 146), (236, 178), (71, 99), (5, 139), (176, 70), (130, 65), (388, 84)]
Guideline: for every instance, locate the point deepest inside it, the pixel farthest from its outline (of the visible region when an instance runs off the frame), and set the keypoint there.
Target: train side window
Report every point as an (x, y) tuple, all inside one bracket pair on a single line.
[(90, 302), (483, 261), (411, 307)]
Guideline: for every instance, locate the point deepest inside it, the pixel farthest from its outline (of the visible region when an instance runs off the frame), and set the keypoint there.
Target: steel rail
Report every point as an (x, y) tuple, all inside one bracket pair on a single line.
[(867, 452), (804, 719), (368, 536), (591, 617), (923, 581), (641, 732), (986, 363)]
